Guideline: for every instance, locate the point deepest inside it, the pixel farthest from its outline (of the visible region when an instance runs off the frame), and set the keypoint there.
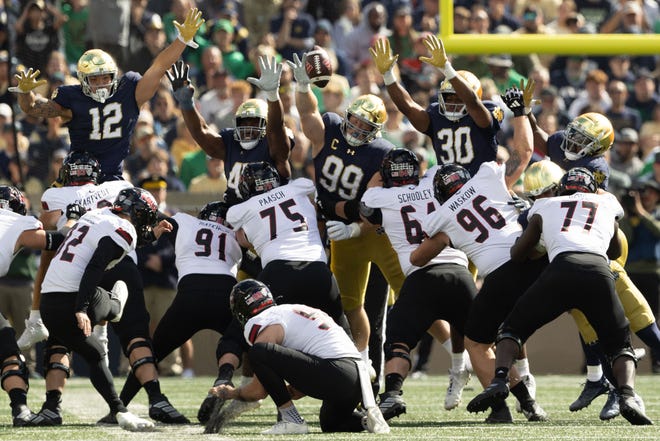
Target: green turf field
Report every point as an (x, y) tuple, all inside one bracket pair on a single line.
[(426, 418)]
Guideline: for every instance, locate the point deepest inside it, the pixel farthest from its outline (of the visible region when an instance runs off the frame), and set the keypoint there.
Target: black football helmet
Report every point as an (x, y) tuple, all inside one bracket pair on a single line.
[(448, 180), (399, 167), (248, 298), (80, 168), (257, 178), (12, 199), (139, 205), (214, 211), (578, 180)]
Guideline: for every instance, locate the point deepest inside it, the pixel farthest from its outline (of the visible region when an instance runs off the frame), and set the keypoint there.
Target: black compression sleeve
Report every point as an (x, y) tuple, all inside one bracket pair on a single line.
[(53, 240), (106, 251)]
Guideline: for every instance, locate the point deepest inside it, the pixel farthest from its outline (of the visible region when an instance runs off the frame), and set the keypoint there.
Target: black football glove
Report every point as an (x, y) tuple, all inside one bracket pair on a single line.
[(518, 202), (513, 98), (75, 211), (183, 91)]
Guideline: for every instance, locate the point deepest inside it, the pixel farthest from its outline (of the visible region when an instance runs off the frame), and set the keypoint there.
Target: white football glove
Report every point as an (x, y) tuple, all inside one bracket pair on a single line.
[(340, 231), (299, 72), (269, 81)]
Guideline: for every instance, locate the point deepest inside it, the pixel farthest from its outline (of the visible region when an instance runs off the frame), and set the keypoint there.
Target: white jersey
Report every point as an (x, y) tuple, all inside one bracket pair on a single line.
[(69, 264), (281, 223), (306, 329), (403, 210), (205, 247), (11, 227), (90, 196), (581, 222), (479, 219)]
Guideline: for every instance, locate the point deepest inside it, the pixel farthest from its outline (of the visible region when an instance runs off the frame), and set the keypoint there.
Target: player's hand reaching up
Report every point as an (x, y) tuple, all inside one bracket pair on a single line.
[(27, 81), (183, 90), (269, 80), (438, 56), (513, 98), (528, 94), (299, 72), (186, 31), (384, 59)]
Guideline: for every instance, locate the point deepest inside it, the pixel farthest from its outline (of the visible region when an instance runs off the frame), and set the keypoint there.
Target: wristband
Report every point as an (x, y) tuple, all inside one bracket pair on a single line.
[(449, 71), (355, 229), (190, 43), (527, 110), (273, 95), (389, 78)]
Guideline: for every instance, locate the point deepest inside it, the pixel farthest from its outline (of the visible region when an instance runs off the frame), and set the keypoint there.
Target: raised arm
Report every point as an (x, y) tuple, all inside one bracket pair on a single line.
[(540, 136), (523, 146), (385, 62), (209, 140), (310, 117), (279, 144), (147, 86), (33, 104)]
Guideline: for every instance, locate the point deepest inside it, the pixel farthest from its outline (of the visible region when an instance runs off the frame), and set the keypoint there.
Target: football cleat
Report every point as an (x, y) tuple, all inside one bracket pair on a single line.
[(534, 412), (457, 381), (530, 383), (35, 331), (632, 411), (611, 408), (22, 416), (374, 422), (500, 416), (120, 293), (287, 428), (133, 423), (204, 412), (592, 389), (392, 404), (109, 419), (164, 412), (47, 417), (495, 393)]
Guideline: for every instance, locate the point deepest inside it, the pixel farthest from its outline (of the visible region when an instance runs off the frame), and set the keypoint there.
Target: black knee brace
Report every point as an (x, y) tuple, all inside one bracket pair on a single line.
[(48, 365), (21, 370), (626, 351), (144, 360), (390, 353)]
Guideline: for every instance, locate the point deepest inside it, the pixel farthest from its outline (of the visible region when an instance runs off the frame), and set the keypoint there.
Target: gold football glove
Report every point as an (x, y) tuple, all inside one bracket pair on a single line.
[(528, 94), (190, 26), (382, 55), (27, 81), (437, 49)]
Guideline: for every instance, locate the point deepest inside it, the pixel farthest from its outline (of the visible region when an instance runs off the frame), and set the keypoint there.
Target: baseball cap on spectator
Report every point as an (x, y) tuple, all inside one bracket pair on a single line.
[(549, 91), (37, 3), (631, 7), (652, 183), (530, 13), (323, 25), (627, 134), (5, 111), (155, 22), (462, 11), (154, 182), (500, 60), (645, 74), (223, 25), (403, 10)]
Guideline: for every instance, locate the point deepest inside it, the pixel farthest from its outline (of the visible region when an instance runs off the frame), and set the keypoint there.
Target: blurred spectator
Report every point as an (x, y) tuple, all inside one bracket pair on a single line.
[(217, 98), (111, 19), (649, 134), (502, 72), (480, 20), (213, 181), (567, 11), (426, 17), (570, 78), (240, 91), (182, 144), (403, 36), (642, 228), (159, 164), (293, 29), (5, 79), (165, 114), (625, 152), (232, 59), (551, 102), (37, 33), (211, 62), (192, 165), (256, 17), (349, 19), (595, 12), (364, 81), (594, 94), (618, 68), (56, 161), (644, 97), (417, 75), (395, 127), (533, 23), (461, 20), (44, 142), (145, 143), (334, 95), (619, 114), (141, 20), (372, 26), (549, 8), (548, 122), (323, 38), (154, 42), (56, 73), (74, 30), (628, 19), (499, 14)]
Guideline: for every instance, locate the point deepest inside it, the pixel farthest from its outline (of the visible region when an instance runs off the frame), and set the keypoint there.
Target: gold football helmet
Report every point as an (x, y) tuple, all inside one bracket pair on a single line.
[(540, 177), (93, 63), (454, 111), (368, 109), (249, 135), (588, 134)]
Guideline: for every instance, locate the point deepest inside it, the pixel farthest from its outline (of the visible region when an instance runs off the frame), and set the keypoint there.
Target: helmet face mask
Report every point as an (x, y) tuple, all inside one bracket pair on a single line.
[(249, 298), (140, 206), (257, 178), (590, 134), (449, 105), (96, 63), (250, 123), (80, 168), (578, 180), (448, 180), (214, 212), (364, 119), (540, 177), (399, 167), (12, 199)]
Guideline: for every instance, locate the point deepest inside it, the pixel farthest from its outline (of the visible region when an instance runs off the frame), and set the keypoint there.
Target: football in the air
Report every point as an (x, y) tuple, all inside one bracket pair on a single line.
[(318, 66)]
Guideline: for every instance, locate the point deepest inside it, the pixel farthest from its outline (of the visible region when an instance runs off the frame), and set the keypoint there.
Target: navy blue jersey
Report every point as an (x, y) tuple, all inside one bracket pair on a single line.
[(463, 142), (597, 164), (104, 130), (236, 157), (342, 171)]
